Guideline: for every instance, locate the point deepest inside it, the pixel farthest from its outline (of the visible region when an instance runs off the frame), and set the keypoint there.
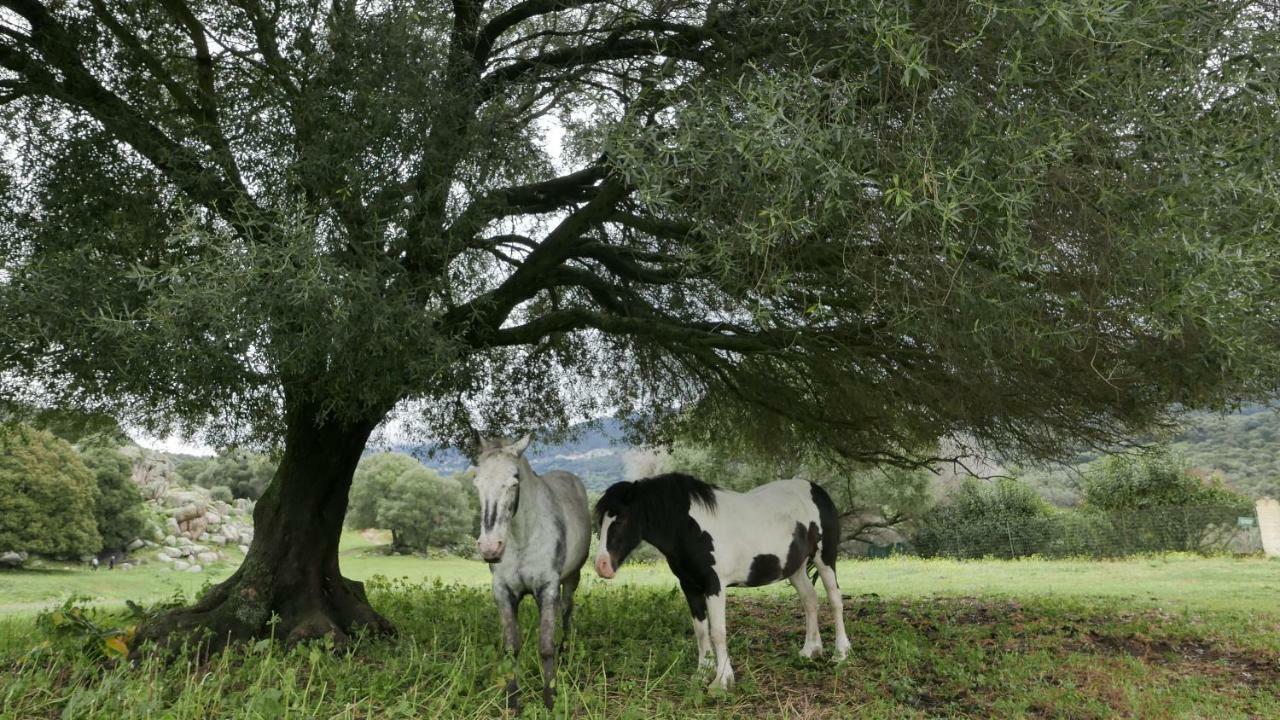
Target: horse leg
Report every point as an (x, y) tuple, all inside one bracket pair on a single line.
[(828, 574), (548, 600), (808, 599), (698, 608), (508, 606), (568, 587), (715, 617)]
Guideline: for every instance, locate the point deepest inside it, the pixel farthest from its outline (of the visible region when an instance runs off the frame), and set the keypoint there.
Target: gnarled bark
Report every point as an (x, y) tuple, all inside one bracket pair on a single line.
[(289, 585)]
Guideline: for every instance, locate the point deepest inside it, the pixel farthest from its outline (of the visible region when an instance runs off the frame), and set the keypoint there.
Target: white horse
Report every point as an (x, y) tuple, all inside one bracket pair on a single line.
[(535, 533), (714, 539)]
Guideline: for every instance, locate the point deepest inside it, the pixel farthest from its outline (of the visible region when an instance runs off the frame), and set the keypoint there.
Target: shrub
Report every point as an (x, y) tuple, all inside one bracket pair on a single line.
[(221, 492), (246, 474), (1000, 519), (1124, 483), (424, 510)]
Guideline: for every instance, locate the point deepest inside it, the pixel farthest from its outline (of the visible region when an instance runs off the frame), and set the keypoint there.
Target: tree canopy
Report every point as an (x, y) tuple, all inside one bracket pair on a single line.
[(422, 510), (46, 495), (118, 506), (850, 226), (863, 224)]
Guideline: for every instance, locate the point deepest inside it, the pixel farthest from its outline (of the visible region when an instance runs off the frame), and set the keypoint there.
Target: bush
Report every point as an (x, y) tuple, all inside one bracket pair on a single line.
[(46, 495), (371, 483), (221, 492), (1003, 519), (1157, 504), (1124, 483)]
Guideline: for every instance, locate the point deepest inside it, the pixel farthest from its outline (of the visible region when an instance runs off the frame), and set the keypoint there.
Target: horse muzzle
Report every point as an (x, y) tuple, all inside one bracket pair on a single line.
[(604, 568), (491, 552)]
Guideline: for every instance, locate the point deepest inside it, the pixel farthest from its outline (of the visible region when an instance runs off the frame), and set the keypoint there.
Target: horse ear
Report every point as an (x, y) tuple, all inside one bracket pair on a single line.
[(519, 446)]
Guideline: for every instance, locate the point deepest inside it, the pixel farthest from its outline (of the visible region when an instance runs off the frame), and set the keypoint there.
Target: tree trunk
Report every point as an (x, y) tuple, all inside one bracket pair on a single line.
[(289, 585)]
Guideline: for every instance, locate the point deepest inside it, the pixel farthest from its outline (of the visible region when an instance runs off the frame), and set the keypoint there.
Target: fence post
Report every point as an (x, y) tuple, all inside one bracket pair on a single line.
[(1268, 511)]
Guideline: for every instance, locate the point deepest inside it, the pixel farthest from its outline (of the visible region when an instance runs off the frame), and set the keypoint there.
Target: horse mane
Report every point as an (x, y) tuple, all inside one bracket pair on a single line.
[(658, 496)]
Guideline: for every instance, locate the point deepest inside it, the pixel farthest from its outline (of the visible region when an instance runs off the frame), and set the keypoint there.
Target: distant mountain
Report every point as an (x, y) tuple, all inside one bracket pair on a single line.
[(594, 453)]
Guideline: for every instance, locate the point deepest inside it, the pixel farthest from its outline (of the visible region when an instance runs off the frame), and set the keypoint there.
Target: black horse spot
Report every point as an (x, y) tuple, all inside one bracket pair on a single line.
[(804, 543), (764, 570), (560, 540)]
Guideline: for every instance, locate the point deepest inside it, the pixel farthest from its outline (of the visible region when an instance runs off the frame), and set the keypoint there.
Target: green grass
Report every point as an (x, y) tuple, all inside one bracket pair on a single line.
[(1153, 637)]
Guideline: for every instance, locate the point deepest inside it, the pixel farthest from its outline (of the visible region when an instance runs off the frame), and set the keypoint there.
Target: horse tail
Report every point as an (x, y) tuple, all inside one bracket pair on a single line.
[(829, 519), (811, 568)]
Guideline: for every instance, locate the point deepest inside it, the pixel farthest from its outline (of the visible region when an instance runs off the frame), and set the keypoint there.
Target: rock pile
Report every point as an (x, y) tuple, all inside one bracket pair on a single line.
[(153, 473), (197, 527), (194, 528), (12, 559)]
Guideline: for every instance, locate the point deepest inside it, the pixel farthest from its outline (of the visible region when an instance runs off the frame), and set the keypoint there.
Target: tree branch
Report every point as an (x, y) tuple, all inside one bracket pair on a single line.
[(682, 45), (539, 197), (487, 312), (517, 14), (79, 88)]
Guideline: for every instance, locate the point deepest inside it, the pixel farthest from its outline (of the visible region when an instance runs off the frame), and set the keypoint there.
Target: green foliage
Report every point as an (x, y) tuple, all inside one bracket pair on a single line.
[(118, 510), (76, 427), (1003, 518), (221, 492), (98, 635), (1146, 504), (857, 225), (371, 483), (244, 473), (1158, 479), (423, 510), (46, 495)]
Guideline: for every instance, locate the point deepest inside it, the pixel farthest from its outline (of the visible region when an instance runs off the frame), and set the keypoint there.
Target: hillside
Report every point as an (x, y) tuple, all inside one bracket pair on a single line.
[(1242, 448)]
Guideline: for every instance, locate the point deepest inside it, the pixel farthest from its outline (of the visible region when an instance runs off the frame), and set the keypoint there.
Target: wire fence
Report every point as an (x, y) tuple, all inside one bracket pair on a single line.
[(1204, 529)]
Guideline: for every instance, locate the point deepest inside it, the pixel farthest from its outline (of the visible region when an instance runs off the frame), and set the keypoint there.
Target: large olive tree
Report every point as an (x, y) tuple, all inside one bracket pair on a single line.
[(817, 224)]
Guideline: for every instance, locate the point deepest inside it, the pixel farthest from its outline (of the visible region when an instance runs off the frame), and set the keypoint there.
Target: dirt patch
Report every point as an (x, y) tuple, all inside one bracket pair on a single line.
[(1190, 657)]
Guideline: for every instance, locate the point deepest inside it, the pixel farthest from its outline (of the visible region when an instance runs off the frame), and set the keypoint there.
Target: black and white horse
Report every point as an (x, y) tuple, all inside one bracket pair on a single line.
[(714, 539), (535, 533)]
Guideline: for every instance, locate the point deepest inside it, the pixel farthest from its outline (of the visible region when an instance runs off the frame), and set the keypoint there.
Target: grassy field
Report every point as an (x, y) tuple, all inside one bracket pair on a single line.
[(1151, 637)]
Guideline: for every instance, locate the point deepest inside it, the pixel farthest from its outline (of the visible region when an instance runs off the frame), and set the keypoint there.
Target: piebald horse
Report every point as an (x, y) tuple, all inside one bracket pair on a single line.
[(714, 539), (535, 533)]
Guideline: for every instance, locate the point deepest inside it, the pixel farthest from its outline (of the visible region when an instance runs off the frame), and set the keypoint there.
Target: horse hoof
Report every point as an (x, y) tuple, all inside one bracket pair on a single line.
[(722, 683), (842, 652), (810, 652), (705, 662)]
